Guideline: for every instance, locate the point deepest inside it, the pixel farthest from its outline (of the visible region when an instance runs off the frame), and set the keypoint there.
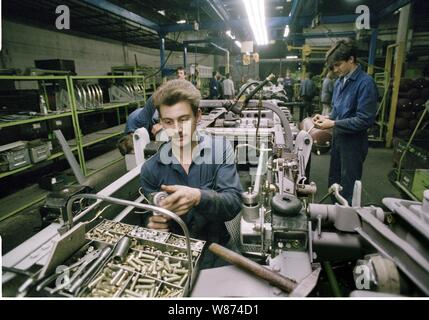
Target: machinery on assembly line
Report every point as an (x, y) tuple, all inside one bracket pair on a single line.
[(379, 252)]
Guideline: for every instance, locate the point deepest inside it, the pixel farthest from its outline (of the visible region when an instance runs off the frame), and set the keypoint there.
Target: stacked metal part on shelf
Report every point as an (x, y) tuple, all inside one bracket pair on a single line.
[(88, 96), (127, 92)]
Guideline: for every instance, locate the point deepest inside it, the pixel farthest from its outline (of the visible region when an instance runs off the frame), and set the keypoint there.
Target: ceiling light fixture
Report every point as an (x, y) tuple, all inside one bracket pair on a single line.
[(255, 10), (291, 57)]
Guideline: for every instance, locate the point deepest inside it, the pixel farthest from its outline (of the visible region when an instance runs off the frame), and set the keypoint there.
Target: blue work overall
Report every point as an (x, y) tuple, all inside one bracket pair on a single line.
[(354, 107)]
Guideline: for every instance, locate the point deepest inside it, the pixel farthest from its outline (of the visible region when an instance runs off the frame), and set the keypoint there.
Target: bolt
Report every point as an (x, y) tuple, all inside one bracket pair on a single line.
[(147, 256), (118, 274), (122, 279), (183, 280), (180, 271), (96, 281), (167, 264), (146, 281), (133, 264), (145, 286), (132, 293), (173, 279)]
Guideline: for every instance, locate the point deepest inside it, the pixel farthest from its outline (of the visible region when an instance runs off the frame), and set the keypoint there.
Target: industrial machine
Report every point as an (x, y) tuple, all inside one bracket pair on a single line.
[(384, 251)]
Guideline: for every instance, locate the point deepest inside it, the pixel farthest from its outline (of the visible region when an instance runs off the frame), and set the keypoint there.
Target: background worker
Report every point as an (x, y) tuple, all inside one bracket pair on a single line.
[(354, 107), (146, 117)]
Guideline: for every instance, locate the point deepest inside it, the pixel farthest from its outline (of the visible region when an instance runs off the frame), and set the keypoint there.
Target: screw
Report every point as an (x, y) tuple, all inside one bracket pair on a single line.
[(96, 281), (132, 293), (145, 286), (173, 279), (146, 281), (118, 274), (122, 279), (183, 280)]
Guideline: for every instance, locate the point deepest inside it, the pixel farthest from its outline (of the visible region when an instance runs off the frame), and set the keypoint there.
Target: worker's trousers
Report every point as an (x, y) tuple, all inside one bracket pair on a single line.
[(348, 153)]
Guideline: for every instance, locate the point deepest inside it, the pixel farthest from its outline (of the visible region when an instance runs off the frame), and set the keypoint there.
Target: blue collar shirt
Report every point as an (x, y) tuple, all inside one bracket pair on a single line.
[(354, 102), (213, 171)]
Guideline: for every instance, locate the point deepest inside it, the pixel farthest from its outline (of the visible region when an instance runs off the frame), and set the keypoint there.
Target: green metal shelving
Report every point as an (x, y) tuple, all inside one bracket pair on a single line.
[(80, 141), (83, 141)]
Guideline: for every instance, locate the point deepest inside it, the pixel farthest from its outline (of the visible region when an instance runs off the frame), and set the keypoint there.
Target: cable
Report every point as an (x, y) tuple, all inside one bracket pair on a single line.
[(140, 190), (259, 118), (166, 60), (97, 214), (245, 88)]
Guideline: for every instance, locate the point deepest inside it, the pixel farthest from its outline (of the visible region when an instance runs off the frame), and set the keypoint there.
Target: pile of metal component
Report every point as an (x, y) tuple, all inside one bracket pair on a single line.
[(144, 272), (123, 260), (127, 92), (109, 232), (88, 96)]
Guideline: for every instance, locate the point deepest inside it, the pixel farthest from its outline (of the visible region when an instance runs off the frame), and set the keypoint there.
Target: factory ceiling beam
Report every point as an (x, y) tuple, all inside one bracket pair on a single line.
[(273, 22), (392, 8), (270, 22), (295, 10), (216, 7), (121, 12)]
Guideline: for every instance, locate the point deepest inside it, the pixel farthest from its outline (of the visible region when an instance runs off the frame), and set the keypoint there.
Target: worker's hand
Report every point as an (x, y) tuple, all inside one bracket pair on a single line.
[(156, 128), (181, 198), (324, 124), (125, 144), (158, 222), (318, 117)]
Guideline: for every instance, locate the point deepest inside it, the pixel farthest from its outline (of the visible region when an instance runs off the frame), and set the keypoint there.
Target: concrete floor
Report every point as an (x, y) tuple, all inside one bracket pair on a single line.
[(376, 186), (375, 183)]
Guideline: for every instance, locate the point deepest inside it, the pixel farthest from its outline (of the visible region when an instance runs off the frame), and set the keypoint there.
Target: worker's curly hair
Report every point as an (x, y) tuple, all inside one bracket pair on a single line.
[(341, 51), (175, 91)]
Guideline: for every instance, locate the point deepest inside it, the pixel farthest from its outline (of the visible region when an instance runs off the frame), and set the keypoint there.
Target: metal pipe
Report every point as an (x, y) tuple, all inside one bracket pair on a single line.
[(275, 279), (326, 212), (127, 203), (262, 167), (121, 249), (227, 55), (103, 255), (229, 104), (285, 123)]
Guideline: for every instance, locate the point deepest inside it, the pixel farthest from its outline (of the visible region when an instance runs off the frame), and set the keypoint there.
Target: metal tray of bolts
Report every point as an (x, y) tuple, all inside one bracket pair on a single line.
[(147, 269), (109, 231), (144, 263)]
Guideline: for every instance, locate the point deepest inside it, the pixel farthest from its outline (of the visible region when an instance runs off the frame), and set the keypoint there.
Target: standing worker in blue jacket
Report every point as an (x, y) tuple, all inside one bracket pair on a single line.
[(354, 107), (307, 93), (214, 86)]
